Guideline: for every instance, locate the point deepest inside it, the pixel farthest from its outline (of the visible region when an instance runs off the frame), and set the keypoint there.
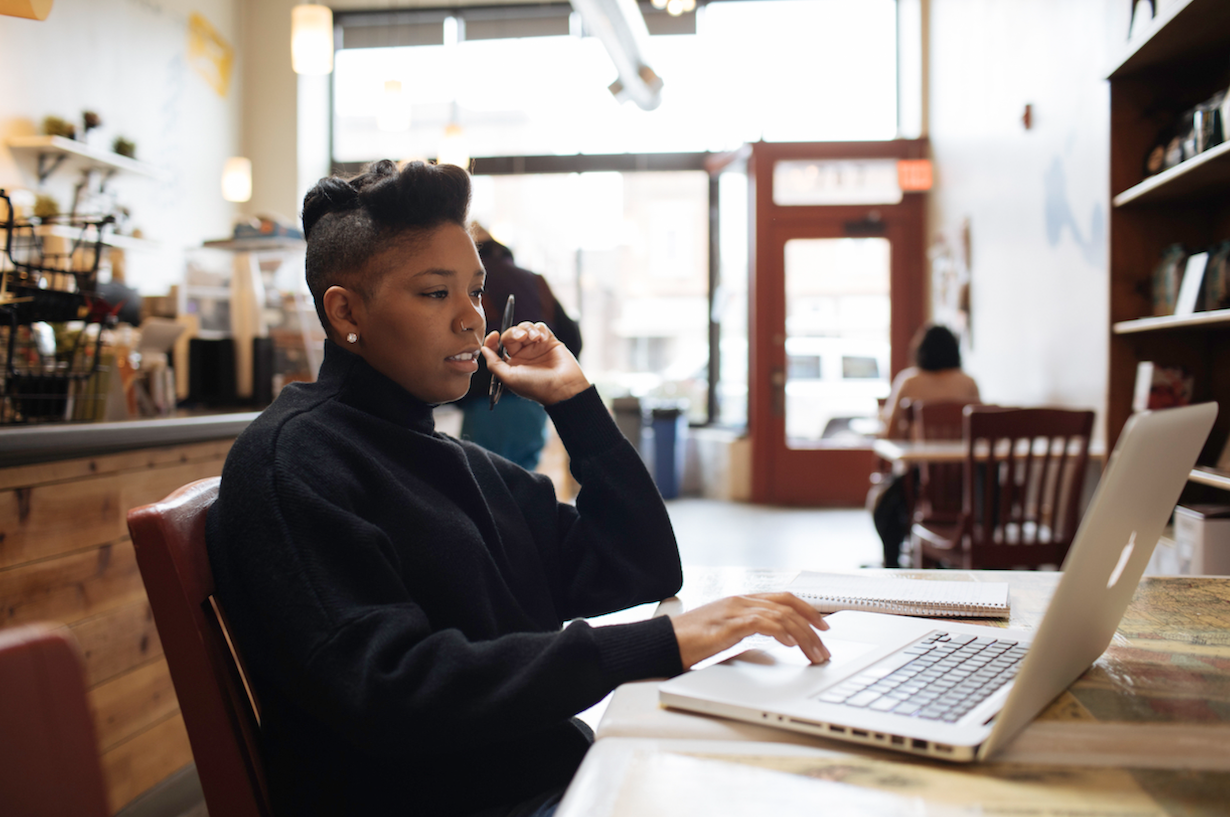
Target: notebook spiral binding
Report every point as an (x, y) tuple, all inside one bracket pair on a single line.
[(834, 603)]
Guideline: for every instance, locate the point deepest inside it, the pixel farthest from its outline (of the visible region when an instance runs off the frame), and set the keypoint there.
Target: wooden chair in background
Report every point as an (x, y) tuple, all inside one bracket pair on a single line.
[(1021, 503), (938, 484), (48, 749), (219, 711)]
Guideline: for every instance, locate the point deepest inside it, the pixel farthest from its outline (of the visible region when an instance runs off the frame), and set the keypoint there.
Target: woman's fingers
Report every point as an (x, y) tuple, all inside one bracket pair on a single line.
[(795, 618), (714, 627), (537, 365), (526, 335)]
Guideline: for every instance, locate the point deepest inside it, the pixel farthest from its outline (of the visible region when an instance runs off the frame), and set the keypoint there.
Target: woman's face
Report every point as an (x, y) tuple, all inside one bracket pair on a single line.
[(424, 323)]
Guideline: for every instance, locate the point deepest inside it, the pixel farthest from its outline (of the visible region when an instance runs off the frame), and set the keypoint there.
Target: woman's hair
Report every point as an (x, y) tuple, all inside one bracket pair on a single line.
[(348, 222), (936, 348)]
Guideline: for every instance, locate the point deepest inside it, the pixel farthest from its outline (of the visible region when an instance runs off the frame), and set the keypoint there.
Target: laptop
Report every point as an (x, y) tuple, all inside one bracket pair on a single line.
[(960, 691)]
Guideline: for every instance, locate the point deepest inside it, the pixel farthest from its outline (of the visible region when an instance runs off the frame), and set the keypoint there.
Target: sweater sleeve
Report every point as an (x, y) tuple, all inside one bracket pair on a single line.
[(616, 546)]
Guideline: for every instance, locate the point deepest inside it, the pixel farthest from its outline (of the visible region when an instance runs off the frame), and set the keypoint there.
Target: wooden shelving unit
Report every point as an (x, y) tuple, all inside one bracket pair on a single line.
[(1181, 61)]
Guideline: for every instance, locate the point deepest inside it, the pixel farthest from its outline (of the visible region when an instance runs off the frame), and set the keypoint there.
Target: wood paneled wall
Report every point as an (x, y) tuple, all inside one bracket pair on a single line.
[(65, 556)]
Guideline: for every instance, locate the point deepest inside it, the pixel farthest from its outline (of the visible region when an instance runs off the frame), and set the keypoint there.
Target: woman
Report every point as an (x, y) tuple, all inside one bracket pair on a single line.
[(936, 376), (398, 595)]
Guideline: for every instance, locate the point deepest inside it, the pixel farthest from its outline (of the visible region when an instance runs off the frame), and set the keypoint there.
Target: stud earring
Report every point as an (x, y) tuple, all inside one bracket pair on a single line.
[(352, 338)]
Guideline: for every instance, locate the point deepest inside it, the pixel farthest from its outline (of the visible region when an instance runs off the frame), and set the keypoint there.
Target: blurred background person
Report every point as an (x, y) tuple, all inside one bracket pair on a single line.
[(936, 376), (516, 428)]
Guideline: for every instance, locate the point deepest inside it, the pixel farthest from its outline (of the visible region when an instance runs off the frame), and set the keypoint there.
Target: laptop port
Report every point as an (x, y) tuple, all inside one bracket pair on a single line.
[(807, 723), (897, 740), (879, 736), (839, 729), (921, 745), (858, 733), (940, 747)]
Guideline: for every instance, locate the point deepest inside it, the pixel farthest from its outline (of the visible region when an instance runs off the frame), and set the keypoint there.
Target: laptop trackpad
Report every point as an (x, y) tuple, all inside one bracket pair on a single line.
[(778, 655)]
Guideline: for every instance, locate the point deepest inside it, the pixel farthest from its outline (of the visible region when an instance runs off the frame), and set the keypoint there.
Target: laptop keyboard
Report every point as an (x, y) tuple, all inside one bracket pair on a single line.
[(940, 677)]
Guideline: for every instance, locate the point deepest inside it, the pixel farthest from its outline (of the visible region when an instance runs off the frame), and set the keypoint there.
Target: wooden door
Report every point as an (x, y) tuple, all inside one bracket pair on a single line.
[(836, 294)]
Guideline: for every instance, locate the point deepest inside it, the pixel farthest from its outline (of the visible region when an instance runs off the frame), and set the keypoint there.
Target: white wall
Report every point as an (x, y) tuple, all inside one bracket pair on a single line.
[(128, 61), (270, 109), (1036, 200)]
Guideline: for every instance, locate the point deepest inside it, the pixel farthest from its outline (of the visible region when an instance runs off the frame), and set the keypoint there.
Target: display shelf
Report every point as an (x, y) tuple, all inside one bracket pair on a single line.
[(1180, 29), (119, 242), (271, 244), (1198, 320), (1201, 176), (1210, 476), (50, 153)]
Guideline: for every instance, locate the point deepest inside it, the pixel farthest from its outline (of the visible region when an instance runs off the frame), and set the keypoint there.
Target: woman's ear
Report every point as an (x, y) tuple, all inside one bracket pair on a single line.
[(343, 308)]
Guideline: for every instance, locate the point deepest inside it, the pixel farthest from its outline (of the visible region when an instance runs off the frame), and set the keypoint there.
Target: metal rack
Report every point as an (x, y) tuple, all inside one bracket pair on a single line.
[(51, 320)]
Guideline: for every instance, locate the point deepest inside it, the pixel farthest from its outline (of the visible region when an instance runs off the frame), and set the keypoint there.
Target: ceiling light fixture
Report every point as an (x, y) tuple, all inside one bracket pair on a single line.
[(618, 24), (311, 39)]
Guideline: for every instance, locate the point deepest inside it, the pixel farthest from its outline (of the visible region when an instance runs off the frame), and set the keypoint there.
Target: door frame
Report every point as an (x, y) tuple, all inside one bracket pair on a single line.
[(822, 476)]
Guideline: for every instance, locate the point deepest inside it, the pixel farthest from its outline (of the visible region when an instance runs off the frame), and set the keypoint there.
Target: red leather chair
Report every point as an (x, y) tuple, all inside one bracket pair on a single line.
[(219, 711), (48, 748)]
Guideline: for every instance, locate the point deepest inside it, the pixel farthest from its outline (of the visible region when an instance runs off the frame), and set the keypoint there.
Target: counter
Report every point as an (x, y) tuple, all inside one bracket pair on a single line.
[(23, 445), (66, 558)]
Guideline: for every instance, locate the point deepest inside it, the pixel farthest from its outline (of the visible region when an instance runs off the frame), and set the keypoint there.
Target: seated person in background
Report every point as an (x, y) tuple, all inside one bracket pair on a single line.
[(399, 596), (935, 376), (516, 429)]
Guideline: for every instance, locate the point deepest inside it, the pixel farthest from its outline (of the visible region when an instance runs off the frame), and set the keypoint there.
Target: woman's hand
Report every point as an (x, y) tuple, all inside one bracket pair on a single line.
[(539, 365), (719, 625)]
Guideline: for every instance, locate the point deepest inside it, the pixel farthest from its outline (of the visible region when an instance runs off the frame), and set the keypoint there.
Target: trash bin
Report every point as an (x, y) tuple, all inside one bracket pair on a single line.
[(670, 433), (630, 418)]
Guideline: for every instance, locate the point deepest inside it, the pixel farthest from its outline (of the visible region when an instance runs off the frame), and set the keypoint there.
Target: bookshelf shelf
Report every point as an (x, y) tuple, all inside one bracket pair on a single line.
[(1210, 476), (1202, 176), (1199, 320), (1181, 28)]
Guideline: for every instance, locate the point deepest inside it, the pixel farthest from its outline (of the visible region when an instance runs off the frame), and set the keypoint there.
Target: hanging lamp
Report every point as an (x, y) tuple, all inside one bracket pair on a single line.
[(311, 39)]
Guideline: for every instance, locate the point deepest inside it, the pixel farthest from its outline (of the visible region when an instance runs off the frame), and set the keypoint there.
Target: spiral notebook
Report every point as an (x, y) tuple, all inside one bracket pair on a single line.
[(830, 592)]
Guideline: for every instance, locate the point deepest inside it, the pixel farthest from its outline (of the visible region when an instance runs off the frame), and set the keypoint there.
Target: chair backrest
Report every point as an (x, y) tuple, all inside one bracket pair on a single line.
[(219, 713), (939, 484), (48, 749), (1021, 504)]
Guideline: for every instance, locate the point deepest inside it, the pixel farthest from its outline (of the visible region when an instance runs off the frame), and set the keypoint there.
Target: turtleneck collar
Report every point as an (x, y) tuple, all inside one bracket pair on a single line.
[(359, 385)]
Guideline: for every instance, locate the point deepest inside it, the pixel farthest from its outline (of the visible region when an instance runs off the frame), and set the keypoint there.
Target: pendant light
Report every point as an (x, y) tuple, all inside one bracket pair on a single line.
[(311, 39), (394, 115), (453, 147), (237, 179)]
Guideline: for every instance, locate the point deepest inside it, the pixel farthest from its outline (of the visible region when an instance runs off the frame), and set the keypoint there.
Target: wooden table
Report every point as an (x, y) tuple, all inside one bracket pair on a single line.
[(911, 452), (1150, 720)]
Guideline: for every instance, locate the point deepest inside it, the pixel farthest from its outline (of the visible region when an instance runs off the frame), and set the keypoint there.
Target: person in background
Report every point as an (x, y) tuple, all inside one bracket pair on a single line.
[(410, 607), (935, 376), (516, 428)]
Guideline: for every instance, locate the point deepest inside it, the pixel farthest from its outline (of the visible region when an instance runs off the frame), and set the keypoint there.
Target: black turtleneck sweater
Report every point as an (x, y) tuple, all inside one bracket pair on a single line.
[(398, 597)]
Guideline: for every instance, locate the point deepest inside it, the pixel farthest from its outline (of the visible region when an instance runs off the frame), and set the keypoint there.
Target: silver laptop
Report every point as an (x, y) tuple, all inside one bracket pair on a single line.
[(960, 691)]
